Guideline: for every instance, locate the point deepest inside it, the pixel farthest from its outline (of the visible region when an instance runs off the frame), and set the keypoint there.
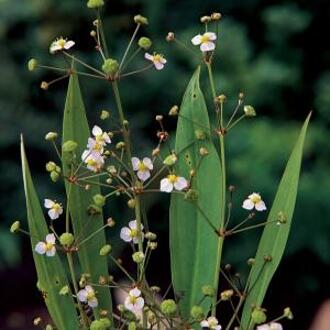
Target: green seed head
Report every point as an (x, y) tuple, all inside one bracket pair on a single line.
[(138, 257), (197, 313), (32, 64), (145, 43), (139, 19), (95, 3), (69, 146), (258, 315), (64, 291), (249, 111), (54, 176), (66, 239), (99, 200), (110, 66), (14, 228), (51, 136), (208, 290), (50, 166), (168, 307), (105, 250)]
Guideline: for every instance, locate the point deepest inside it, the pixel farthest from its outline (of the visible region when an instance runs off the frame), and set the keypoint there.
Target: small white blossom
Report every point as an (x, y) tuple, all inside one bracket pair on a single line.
[(100, 136), (55, 209), (47, 247), (142, 167), (134, 302), (60, 44), (270, 326), (158, 60), (88, 295), (205, 41), (211, 323), (93, 160), (254, 201), (130, 233), (173, 181)]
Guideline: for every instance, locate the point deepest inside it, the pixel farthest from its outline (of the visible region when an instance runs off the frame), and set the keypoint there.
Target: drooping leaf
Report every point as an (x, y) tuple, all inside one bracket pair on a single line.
[(75, 128), (195, 247), (50, 270), (275, 236)]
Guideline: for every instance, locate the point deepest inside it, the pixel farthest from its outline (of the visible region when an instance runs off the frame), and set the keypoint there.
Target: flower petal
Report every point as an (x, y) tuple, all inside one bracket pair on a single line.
[(260, 206), (93, 302), (82, 295), (51, 252), (143, 175), (48, 203), (125, 234), (139, 303), (97, 130), (248, 204), (50, 238), (53, 214), (135, 292), (148, 162), (69, 44), (148, 57), (166, 185), (181, 183), (207, 46), (40, 248), (196, 40), (159, 65), (210, 35), (135, 163), (133, 224)]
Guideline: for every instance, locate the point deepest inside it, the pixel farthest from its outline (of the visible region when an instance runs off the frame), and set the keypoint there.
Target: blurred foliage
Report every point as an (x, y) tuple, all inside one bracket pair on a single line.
[(269, 50)]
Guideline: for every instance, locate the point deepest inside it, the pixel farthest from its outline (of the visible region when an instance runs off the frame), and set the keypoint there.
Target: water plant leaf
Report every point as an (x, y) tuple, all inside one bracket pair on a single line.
[(275, 236), (50, 270), (194, 245), (84, 223)]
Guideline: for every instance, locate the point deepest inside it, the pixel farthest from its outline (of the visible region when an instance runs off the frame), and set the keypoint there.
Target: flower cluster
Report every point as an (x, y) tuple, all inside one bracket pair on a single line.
[(134, 302), (93, 156)]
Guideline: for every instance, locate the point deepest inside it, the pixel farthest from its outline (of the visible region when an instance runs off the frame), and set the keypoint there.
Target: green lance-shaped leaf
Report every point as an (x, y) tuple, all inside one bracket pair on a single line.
[(195, 246), (50, 271), (275, 236), (75, 128)]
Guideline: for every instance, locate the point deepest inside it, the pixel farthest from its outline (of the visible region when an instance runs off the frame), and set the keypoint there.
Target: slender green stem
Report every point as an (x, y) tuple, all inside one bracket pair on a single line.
[(91, 235), (254, 226), (75, 286), (136, 71), (241, 300), (122, 268), (235, 122), (137, 51), (139, 230), (101, 31)]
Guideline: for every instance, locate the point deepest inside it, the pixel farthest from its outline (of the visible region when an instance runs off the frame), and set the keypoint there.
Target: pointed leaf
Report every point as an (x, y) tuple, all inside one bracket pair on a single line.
[(195, 247), (50, 271), (274, 237), (75, 128)]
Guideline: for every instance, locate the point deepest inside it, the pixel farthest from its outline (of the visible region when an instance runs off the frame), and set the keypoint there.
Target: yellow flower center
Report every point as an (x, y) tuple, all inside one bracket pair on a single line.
[(255, 198), (90, 295), (56, 207), (142, 167), (98, 146), (204, 39), (133, 233), (132, 299), (158, 58), (172, 178), (61, 42), (91, 162), (49, 246)]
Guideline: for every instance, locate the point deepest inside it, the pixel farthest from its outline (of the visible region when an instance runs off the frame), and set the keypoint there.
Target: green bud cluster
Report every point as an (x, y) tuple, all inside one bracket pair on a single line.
[(138, 257), (32, 64), (101, 324), (69, 146), (14, 228), (145, 43), (95, 3), (99, 200), (168, 307), (54, 171), (197, 313), (105, 250), (258, 315), (66, 239), (110, 66)]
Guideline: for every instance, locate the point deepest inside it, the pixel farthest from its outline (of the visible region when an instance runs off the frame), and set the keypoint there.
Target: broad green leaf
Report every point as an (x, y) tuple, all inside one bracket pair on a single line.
[(75, 127), (275, 236), (195, 247), (50, 271)]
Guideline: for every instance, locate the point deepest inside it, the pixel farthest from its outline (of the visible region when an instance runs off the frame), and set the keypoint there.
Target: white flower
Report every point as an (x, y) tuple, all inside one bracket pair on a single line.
[(88, 295), (172, 181), (100, 136), (134, 302), (55, 209), (270, 326), (254, 201), (158, 60), (47, 247), (211, 323), (143, 167), (130, 233), (205, 41), (94, 146), (93, 160), (60, 44)]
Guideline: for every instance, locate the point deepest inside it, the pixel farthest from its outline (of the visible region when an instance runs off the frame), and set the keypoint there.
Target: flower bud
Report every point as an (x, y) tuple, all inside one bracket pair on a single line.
[(37, 321), (94, 209), (281, 217), (66, 239), (132, 326), (49, 327), (170, 37), (99, 200), (112, 170), (268, 258), (97, 325), (152, 245), (227, 294), (258, 315), (155, 289), (54, 176), (191, 195), (103, 280), (150, 236), (159, 118), (208, 290), (109, 181), (131, 203), (32, 64), (95, 3), (174, 111), (44, 85), (105, 250), (200, 134), (288, 313), (249, 111), (64, 291), (168, 307), (139, 19), (111, 222), (203, 151), (104, 114), (51, 136), (251, 261), (93, 33), (50, 166), (155, 152), (205, 19), (15, 227), (170, 160), (216, 16), (69, 146), (145, 43), (138, 257), (120, 145), (197, 313), (110, 66), (221, 98)]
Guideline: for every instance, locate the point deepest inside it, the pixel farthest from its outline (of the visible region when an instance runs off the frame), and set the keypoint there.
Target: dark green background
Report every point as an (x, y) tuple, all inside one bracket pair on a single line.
[(276, 52)]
